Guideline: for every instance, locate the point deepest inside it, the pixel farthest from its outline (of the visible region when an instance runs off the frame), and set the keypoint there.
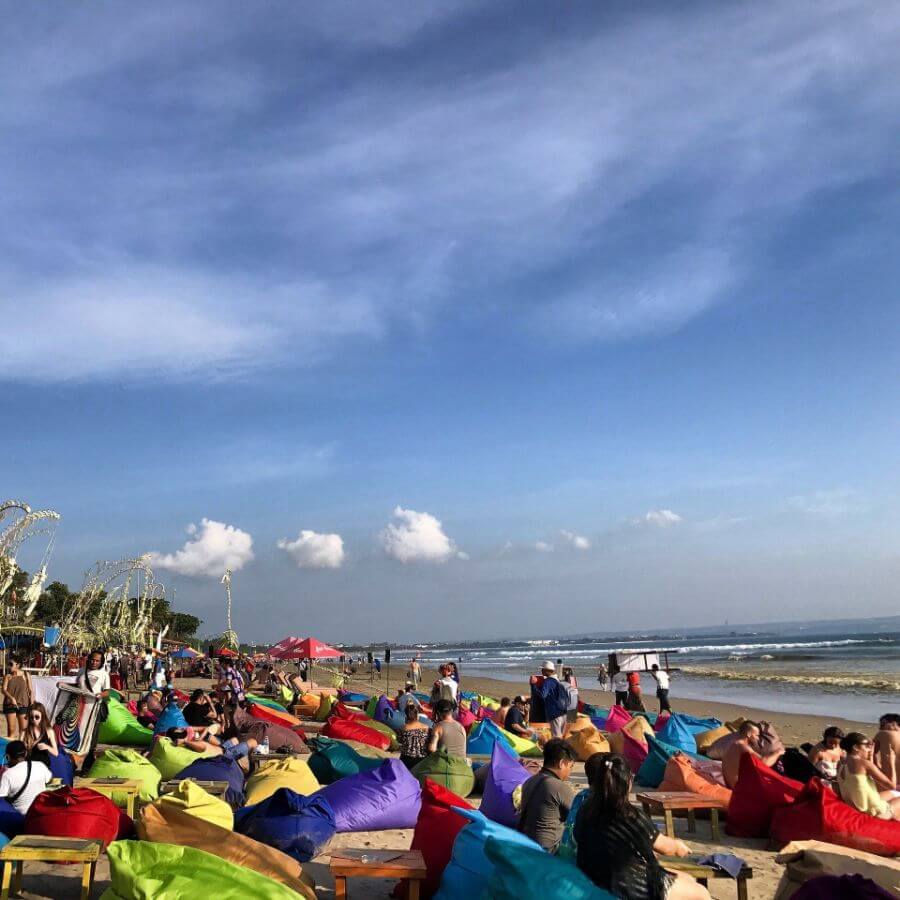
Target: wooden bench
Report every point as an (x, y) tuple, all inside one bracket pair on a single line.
[(704, 873), (668, 802), (216, 788), (109, 787), (405, 864), (37, 848)]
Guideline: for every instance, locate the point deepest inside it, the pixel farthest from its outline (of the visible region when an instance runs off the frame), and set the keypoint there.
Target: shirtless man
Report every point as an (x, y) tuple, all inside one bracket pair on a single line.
[(747, 742), (887, 747)]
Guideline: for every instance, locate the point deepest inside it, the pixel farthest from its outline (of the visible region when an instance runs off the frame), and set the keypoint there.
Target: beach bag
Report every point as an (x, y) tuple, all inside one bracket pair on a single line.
[(218, 768), (272, 774), (115, 763), (140, 870), (818, 815), (171, 759), (452, 772), (123, 728), (758, 793), (77, 813), (675, 733), (355, 731), (166, 824), (386, 797), (326, 704), (705, 739), (300, 826), (335, 759), (523, 873), (170, 717), (505, 775), (682, 774), (469, 868), (190, 798)]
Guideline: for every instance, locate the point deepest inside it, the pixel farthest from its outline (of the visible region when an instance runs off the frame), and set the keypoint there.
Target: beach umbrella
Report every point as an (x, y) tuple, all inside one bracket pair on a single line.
[(284, 646), (185, 653), (307, 648), (223, 651)]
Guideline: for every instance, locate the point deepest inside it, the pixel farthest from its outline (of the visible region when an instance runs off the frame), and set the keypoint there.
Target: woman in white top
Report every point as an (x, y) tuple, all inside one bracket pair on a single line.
[(93, 676)]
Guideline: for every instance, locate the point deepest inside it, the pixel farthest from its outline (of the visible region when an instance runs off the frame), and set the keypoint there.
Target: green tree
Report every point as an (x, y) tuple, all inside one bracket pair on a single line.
[(184, 625)]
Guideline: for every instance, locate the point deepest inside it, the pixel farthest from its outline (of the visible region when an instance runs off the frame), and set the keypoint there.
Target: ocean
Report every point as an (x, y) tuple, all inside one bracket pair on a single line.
[(846, 669)]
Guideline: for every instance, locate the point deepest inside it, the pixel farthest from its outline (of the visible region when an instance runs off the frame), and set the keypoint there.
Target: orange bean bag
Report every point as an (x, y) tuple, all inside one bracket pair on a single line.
[(586, 740), (682, 776), (267, 714), (307, 705), (343, 729), (638, 728)]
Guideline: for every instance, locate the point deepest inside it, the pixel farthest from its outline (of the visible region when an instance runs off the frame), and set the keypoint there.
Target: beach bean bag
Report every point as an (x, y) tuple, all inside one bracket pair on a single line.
[(841, 887), (436, 829), (758, 793), (719, 748), (123, 728), (697, 725), (682, 774), (355, 731), (505, 774), (469, 869), (62, 766), (307, 705), (171, 759), (350, 697), (387, 715), (594, 712), (586, 740), (115, 763), (366, 750), (11, 820), (818, 815), (267, 701), (77, 813), (336, 759), (795, 764), (370, 707), (386, 797), (326, 704), (466, 717), (618, 716), (280, 737), (141, 870), (653, 768), (651, 717), (635, 752), (523, 873), (166, 824), (190, 798), (342, 711), (676, 734), (217, 768), (386, 730), (273, 774), (705, 739), (453, 773), (265, 714), (482, 737), (521, 745), (489, 702), (299, 826), (170, 717), (769, 739)]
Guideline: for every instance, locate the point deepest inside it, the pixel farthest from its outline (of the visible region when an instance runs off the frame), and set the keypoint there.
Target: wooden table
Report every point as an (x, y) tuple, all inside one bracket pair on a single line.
[(667, 802), (704, 873), (38, 848), (216, 788), (131, 787), (405, 864)]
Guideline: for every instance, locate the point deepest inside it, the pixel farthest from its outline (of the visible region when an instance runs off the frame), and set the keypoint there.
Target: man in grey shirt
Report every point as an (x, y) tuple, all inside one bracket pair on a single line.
[(547, 797)]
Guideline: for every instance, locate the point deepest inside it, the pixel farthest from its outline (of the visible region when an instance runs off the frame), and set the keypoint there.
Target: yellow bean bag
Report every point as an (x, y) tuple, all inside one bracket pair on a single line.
[(521, 745), (272, 774), (324, 709), (639, 728), (587, 740), (192, 799), (308, 705), (489, 702), (706, 739), (735, 724)]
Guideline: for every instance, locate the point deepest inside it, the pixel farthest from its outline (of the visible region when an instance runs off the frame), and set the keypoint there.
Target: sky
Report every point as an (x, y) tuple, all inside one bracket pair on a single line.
[(458, 320)]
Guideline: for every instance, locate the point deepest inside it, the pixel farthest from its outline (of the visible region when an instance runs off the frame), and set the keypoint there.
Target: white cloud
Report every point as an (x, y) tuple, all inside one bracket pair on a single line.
[(312, 550), (417, 536), (543, 547), (661, 518), (578, 541), (211, 548), (830, 504)]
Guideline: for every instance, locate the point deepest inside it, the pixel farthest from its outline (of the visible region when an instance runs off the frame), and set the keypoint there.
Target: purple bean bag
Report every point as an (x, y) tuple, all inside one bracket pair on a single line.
[(385, 712), (505, 774), (218, 768), (386, 797), (62, 767)]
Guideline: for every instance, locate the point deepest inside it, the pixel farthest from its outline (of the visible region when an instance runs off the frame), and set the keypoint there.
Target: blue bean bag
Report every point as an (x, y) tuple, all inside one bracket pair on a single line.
[(386, 713), (3, 743), (698, 726), (350, 697), (334, 760), (482, 738), (218, 768), (599, 722), (676, 734), (651, 717), (504, 775), (170, 717), (63, 768), (386, 797), (469, 868), (653, 768), (12, 822), (595, 712), (299, 826)]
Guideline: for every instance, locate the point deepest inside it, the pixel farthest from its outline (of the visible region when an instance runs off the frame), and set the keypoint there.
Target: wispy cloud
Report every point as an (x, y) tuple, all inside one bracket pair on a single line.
[(828, 504), (659, 518), (578, 541)]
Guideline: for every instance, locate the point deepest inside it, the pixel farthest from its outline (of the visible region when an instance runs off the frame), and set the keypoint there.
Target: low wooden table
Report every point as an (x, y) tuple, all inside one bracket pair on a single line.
[(704, 873), (37, 848), (667, 802), (405, 864), (131, 787), (216, 788)]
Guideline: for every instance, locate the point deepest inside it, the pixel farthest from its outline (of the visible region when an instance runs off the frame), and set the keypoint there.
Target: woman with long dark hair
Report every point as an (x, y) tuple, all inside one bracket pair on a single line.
[(617, 842)]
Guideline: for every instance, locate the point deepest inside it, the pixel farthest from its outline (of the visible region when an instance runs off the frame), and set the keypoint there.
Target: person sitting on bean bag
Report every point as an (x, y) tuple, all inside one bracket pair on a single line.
[(230, 748), (24, 779)]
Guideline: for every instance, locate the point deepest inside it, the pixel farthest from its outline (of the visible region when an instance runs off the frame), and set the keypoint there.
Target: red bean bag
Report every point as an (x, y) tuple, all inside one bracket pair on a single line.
[(436, 830), (77, 813), (267, 714), (618, 716), (758, 793), (345, 712), (818, 815), (345, 730), (661, 722)]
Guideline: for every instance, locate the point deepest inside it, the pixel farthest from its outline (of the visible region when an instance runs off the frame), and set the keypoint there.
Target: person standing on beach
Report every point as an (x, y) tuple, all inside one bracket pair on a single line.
[(620, 686), (662, 688), (887, 747), (549, 693), (415, 672)]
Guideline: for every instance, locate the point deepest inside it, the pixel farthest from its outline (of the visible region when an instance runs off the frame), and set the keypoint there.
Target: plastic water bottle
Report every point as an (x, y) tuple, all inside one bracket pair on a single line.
[(264, 746)]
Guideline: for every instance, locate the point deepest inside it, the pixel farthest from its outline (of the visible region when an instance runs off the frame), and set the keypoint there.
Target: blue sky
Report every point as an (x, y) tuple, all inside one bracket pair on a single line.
[(446, 320)]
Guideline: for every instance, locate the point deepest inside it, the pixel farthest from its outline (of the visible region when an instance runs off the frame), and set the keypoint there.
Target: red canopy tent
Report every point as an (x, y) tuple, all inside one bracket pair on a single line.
[(302, 648), (223, 651)]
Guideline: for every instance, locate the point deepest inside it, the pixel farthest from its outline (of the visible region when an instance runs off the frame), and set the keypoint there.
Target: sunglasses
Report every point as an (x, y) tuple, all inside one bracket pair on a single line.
[(35, 717)]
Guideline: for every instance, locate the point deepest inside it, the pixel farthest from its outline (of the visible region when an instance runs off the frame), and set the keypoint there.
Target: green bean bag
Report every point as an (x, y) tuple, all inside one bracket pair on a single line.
[(170, 760), (453, 773), (370, 707), (116, 763), (122, 727), (335, 759), (140, 870), (267, 701)]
